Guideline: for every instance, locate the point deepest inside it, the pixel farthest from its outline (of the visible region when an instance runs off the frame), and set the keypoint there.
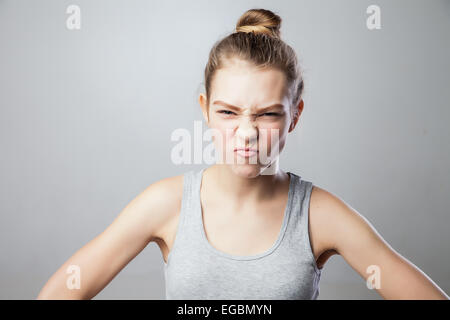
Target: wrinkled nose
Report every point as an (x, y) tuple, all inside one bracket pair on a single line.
[(247, 133)]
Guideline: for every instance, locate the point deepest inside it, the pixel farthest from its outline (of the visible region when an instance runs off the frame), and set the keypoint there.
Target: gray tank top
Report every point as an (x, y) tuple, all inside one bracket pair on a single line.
[(197, 270)]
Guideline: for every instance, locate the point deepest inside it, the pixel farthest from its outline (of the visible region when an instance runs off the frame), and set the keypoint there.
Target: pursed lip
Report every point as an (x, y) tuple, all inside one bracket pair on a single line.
[(246, 149)]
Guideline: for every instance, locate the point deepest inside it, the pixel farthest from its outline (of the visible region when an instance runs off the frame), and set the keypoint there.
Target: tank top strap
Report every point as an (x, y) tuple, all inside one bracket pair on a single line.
[(297, 232), (189, 220), (195, 224), (184, 230), (191, 185)]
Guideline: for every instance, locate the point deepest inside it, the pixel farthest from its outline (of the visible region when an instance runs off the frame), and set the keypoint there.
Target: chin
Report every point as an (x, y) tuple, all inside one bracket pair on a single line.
[(247, 170)]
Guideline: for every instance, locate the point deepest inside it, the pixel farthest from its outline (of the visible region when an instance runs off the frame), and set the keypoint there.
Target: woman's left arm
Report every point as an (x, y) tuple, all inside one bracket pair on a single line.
[(357, 241)]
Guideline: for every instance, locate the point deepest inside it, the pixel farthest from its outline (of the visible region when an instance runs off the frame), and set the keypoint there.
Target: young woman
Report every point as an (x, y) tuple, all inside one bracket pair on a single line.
[(244, 229)]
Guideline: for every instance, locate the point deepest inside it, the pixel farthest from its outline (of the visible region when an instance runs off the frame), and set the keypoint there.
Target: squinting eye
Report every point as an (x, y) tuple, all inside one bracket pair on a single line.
[(226, 112), (270, 114)]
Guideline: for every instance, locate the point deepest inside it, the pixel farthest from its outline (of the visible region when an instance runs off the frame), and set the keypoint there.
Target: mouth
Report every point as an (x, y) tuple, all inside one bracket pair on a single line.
[(246, 152)]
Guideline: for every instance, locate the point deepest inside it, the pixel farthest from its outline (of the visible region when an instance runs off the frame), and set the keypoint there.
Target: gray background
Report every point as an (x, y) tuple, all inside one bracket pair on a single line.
[(86, 118)]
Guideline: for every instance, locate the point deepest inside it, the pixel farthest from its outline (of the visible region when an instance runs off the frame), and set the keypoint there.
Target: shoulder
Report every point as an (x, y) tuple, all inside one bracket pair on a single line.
[(320, 206), (354, 238), (164, 198), (334, 220), (168, 186)]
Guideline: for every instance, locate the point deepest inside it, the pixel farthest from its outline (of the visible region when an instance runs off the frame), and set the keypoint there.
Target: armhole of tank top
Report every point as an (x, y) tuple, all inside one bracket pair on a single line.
[(308, 190), (184, 207)]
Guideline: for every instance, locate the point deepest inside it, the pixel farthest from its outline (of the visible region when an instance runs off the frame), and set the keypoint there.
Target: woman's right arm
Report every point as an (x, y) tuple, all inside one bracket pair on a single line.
[(101, 259)]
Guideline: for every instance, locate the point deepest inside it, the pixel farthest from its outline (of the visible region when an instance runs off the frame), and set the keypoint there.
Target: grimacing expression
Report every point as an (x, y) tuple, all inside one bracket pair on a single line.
[(249, 108)]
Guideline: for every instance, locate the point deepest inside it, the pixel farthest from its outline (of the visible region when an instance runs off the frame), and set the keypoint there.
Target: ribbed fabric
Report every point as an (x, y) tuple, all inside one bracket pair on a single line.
[(197, 270)]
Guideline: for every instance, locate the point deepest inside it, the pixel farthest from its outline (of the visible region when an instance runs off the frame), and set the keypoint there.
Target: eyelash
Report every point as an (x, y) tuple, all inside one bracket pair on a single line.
[(271, 114)]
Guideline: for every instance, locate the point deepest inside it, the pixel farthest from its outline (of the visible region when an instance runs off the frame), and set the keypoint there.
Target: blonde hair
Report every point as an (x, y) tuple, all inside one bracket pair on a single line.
[(257, 40)]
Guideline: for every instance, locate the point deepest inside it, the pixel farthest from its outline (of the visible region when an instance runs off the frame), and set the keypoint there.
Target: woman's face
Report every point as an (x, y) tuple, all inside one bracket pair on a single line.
[(248, 108)]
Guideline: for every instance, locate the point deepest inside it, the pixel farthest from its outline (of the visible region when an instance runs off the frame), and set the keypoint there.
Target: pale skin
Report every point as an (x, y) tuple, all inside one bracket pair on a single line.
[(255, 204)]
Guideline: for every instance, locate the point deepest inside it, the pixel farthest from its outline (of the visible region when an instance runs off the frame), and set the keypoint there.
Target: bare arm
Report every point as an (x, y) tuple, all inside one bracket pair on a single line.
[(357, 241), (101, 259)]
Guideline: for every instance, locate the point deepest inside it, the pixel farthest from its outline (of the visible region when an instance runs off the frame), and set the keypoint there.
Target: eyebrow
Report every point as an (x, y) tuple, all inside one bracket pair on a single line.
[(224, 104)]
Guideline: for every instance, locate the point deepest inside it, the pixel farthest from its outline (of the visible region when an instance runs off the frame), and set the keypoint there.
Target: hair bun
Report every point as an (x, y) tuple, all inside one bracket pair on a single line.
[(259, 21)]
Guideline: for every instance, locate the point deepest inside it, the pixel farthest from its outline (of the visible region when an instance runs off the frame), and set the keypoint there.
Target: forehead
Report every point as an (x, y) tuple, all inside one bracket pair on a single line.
[(244, 85)]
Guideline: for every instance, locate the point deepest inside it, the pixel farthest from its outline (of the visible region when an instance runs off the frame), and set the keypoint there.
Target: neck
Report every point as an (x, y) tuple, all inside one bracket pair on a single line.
[(240, 189)]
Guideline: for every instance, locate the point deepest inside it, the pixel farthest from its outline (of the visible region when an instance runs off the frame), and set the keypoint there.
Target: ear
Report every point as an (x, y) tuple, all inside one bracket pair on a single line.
[(297, 112), (203, 105)]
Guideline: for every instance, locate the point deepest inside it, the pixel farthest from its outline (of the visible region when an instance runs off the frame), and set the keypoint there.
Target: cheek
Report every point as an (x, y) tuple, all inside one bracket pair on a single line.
[(272, 135), (223, 137)]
